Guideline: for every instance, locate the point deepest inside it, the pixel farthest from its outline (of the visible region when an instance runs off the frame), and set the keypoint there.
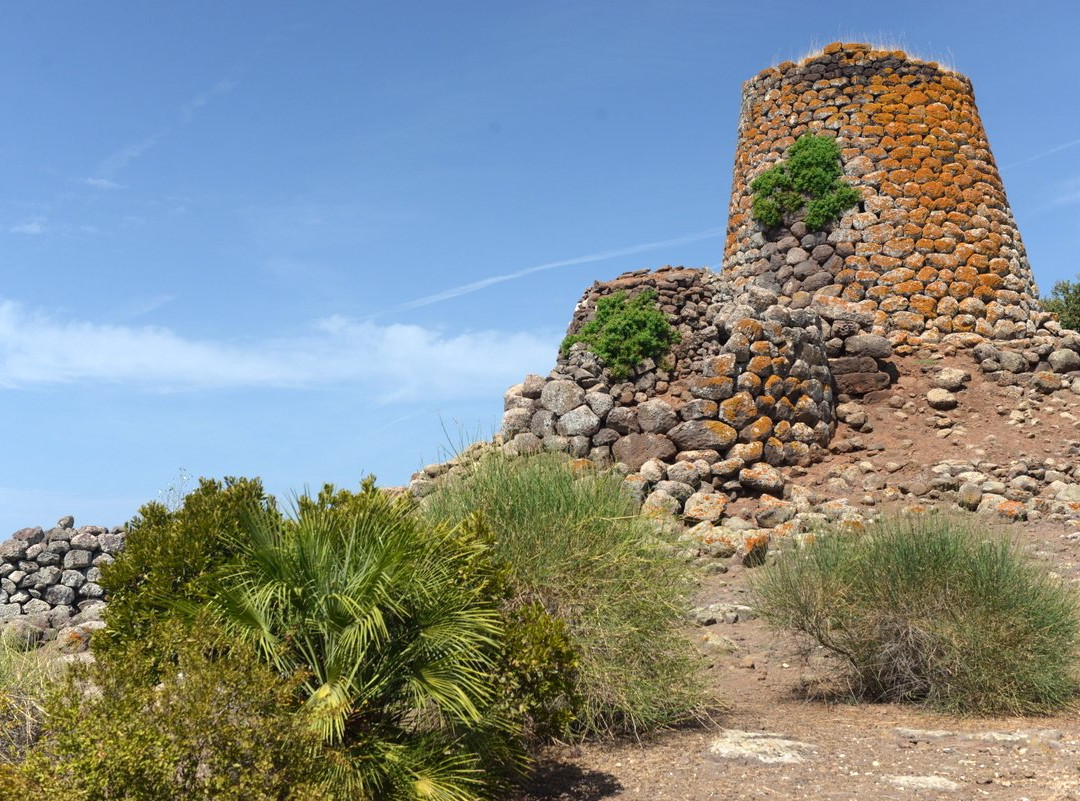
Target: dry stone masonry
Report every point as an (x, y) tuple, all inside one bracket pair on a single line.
[(48, 581), (933, 249), (749, 388)]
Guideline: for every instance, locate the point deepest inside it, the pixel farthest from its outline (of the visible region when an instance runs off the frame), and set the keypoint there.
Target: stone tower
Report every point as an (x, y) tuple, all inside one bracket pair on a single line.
[(933, 248)]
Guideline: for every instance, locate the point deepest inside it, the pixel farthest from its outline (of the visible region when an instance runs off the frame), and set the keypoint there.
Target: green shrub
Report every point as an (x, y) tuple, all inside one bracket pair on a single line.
[(537, 671), (391, 624), (168, 553), (576, 547), (810, 178), (211, 724), (1064, 301), (929, 610), (625, 331)]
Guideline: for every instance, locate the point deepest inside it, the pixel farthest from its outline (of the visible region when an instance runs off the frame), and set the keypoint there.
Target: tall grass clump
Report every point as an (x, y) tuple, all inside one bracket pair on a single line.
[(574, 545), (25, 678), (931, 610)]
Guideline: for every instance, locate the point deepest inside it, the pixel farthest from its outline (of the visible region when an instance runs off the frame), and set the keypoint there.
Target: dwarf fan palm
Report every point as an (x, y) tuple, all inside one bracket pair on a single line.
[(372, 606)]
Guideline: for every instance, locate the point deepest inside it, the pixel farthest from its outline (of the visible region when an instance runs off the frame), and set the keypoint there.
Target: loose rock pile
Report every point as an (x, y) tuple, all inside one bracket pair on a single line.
[(48, 582)]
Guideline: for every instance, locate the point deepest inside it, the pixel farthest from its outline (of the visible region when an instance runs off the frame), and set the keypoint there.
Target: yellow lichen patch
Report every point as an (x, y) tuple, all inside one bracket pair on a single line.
[(749, 328), (757, 431), (738, 410), (923, 304)]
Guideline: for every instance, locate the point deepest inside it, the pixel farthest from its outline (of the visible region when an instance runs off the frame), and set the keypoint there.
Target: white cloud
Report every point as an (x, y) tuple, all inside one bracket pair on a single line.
[(32, 226), (392, 362)]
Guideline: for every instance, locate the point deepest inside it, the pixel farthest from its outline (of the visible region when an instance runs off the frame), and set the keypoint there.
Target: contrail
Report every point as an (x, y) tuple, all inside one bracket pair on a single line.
[(1045, 153), (603, 255)]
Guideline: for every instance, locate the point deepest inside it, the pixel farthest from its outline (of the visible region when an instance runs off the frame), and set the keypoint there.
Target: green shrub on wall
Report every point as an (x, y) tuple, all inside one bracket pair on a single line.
[(626, 331), (810, 178)]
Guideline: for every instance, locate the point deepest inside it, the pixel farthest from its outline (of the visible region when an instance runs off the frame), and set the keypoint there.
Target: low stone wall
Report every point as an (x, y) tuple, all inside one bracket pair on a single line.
[(49, 579)]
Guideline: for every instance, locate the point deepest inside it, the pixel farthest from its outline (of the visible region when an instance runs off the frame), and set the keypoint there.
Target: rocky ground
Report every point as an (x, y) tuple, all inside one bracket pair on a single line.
[(946, 436)]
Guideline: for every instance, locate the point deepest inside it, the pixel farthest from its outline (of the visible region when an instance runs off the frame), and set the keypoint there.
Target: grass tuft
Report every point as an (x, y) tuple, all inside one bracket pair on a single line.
[(576, 546), (934, 611)]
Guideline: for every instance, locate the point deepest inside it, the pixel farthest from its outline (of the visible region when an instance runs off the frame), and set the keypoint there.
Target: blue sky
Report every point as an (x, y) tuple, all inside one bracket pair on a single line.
[(309, 241)]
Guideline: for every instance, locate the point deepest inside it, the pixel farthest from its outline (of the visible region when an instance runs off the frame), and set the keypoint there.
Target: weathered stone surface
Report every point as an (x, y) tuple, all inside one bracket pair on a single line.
[(872, 345), (635, 449), (714, 389), (771, 512), (738, 410), (514, 421), (561, 396), (676, 489), (1064, 360), (623, 420), (656, 416), (1012, 361), (952, 379), (59, 594), (941, 399), (660, 504), (762, 478), (969, 496), (581, 421), (653, 470), (702, 435), (705, 506), (861, 383), (77, 558)]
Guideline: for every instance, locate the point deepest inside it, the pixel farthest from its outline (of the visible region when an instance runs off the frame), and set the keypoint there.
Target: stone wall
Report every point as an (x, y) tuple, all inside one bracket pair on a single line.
[(749, 388), (934, 248), (48, 580)]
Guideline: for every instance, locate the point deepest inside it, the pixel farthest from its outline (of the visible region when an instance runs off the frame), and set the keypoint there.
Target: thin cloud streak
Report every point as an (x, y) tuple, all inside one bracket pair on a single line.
[(1044, 154), (121, 158), (388, 362), (604, 255), (187, 113), (101, 183), (32, 227)]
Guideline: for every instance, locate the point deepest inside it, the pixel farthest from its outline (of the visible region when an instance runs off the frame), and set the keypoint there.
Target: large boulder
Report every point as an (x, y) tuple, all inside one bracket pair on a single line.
[(561, 396), (695, 435), (636, 449)]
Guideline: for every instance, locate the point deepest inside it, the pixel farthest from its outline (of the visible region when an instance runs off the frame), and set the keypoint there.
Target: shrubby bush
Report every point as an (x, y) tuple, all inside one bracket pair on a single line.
[(391, 624), (214, 722), (574, 546), (169, 552), (930, 610), (1064, 301), (625, 331), (810, 177)]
